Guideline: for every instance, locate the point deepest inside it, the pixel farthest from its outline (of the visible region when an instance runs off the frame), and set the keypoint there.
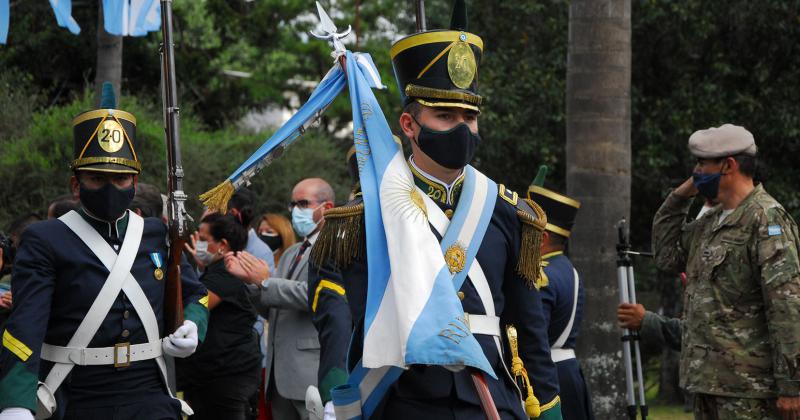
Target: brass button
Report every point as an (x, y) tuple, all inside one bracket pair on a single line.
[(126, 314), (449, 213), (125, 333), (461, 295)]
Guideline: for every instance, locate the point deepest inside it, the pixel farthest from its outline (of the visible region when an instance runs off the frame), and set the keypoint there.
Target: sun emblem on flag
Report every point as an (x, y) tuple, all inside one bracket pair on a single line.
[(455, 257)]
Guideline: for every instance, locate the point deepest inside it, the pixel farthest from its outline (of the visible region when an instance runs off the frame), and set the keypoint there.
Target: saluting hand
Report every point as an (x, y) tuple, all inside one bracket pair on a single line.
[(630, 316), (247, 267)]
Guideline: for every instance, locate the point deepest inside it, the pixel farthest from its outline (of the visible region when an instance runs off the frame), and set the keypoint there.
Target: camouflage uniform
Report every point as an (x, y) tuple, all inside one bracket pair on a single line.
[(662, 331), (741, 335), (712, 407)]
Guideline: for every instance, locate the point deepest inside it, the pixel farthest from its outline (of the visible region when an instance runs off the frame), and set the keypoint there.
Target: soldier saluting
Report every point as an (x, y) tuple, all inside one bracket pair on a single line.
[(739, 347), (84, 337)]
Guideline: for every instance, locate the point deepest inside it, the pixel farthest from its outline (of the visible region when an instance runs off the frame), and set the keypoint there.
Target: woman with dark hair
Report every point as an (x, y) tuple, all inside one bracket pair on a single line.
[(221, 376)]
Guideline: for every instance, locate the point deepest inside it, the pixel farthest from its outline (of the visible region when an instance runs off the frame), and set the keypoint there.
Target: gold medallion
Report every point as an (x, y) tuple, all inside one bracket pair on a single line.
[(461, 64), (455, 257), (158, 274), (110, 136)]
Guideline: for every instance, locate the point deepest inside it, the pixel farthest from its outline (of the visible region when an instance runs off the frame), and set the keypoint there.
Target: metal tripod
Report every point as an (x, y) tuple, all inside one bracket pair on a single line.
[(627, 294)]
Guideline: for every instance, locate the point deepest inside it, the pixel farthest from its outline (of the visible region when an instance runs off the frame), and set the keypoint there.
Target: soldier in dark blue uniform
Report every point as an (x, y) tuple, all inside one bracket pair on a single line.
[(89, 332), (562, 298), (437, 73)]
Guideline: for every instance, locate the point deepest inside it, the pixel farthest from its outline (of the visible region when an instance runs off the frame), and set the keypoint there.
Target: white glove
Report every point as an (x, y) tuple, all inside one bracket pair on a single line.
[(16, 413), (183, 342), (329, 413)]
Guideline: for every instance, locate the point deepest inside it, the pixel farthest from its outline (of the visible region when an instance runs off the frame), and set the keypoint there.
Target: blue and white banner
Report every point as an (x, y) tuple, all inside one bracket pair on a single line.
[(63, 12), (5, 11), (131, 17), (413, 314)]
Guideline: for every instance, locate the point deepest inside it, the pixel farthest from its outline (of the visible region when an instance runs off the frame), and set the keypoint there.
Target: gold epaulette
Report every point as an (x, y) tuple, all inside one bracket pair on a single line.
[(341, 239), (533, 221)]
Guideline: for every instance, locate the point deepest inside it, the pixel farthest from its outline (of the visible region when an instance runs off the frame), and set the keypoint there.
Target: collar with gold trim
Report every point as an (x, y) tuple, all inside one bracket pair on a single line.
[(552, 254), (437, 190)]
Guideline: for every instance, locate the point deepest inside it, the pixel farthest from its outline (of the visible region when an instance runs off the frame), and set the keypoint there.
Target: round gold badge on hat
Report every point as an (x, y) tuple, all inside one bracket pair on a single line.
[(158, 274), (461, 64), (110, 136)]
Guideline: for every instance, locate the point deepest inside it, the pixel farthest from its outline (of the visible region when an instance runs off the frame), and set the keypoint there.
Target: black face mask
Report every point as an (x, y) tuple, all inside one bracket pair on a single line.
[(453, 148), (273, 241), (107, 202)]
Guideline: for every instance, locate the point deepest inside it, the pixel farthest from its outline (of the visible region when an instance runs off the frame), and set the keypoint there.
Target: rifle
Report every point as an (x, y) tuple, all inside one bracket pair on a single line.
[(176, 198)]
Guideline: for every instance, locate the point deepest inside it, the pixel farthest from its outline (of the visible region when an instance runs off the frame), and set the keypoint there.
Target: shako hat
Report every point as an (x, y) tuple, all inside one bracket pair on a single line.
[(439, 68), (105, 138), (560, 209)]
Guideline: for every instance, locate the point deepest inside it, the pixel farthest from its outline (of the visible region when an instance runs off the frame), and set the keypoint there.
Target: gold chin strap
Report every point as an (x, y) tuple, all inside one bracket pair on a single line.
[(532, 407)]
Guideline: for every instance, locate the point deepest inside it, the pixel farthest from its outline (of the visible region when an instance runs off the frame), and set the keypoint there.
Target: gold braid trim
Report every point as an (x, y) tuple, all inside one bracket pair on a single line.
[(216, 199), (414, 91), (529, 265), (341, 239)]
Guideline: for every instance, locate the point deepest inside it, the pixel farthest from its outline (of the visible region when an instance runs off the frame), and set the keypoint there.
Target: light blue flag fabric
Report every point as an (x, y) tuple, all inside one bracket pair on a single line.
[(5, 11), (114, 16), (391, 209), (63, 12), (145, 16), (328, 89), (131, 17)]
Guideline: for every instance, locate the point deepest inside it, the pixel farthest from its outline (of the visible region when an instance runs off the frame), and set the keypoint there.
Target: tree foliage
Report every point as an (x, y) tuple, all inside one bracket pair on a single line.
[(695, 64), (34, 167)]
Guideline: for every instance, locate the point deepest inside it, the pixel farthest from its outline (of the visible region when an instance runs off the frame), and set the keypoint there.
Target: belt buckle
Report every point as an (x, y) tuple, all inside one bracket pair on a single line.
[(127, 347)]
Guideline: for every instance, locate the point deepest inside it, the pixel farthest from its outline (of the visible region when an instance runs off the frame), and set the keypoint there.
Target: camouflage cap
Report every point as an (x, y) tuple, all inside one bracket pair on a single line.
[(722, 141)]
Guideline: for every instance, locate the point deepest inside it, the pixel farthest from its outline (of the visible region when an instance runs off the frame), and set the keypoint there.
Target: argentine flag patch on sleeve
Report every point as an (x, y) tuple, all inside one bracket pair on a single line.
[(774, 230)]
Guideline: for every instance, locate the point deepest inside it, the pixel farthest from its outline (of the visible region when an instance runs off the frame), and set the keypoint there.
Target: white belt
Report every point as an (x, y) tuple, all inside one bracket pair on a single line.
[(559, 355), (483, 324), (120, 355)]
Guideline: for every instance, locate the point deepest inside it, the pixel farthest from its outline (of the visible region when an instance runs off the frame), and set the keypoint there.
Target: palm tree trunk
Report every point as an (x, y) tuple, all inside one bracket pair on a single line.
[(599, 175), (109, 58)]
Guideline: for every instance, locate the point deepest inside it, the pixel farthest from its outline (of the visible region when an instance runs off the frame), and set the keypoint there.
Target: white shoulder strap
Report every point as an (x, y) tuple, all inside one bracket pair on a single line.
[(440, 222), (568, 329)]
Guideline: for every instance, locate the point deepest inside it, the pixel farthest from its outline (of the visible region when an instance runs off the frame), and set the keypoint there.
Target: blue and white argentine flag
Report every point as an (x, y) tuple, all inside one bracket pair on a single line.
[(131, 17), (63, 12), (411, 298)]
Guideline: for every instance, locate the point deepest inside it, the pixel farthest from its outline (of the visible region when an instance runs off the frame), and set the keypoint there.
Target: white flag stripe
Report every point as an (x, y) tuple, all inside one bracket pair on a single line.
[(413, 270), (440, 222)]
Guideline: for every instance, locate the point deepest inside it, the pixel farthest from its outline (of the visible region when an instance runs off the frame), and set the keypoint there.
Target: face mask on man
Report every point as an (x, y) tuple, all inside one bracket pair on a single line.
[(453, 148), (273, 240), (202, 254), (107, 202), (303, 220), (707, 184)]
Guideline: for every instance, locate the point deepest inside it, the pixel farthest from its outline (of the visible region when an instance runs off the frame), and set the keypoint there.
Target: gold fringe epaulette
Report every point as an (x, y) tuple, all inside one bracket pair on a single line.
[(342, 238), (217, 198), (529, 265)]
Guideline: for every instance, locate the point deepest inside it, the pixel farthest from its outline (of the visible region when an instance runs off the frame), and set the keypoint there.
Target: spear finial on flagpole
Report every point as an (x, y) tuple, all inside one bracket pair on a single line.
[(330, 32)]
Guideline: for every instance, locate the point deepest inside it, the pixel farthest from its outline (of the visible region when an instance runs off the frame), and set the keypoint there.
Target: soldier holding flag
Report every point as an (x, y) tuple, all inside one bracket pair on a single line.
[(437, 73), (89, 295)]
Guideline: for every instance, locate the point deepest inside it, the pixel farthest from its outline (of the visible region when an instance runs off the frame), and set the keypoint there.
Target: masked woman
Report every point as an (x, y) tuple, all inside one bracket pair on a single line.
[(222, 375)]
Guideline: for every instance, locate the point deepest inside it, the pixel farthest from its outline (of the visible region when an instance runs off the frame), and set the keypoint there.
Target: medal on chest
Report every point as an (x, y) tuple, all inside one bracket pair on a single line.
[(158, 273)]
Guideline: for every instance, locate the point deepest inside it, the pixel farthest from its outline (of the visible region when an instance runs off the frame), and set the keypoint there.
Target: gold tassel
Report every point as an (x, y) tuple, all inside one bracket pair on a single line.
[(532, 407), (341, 239), (216, 199), (529, 265)]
